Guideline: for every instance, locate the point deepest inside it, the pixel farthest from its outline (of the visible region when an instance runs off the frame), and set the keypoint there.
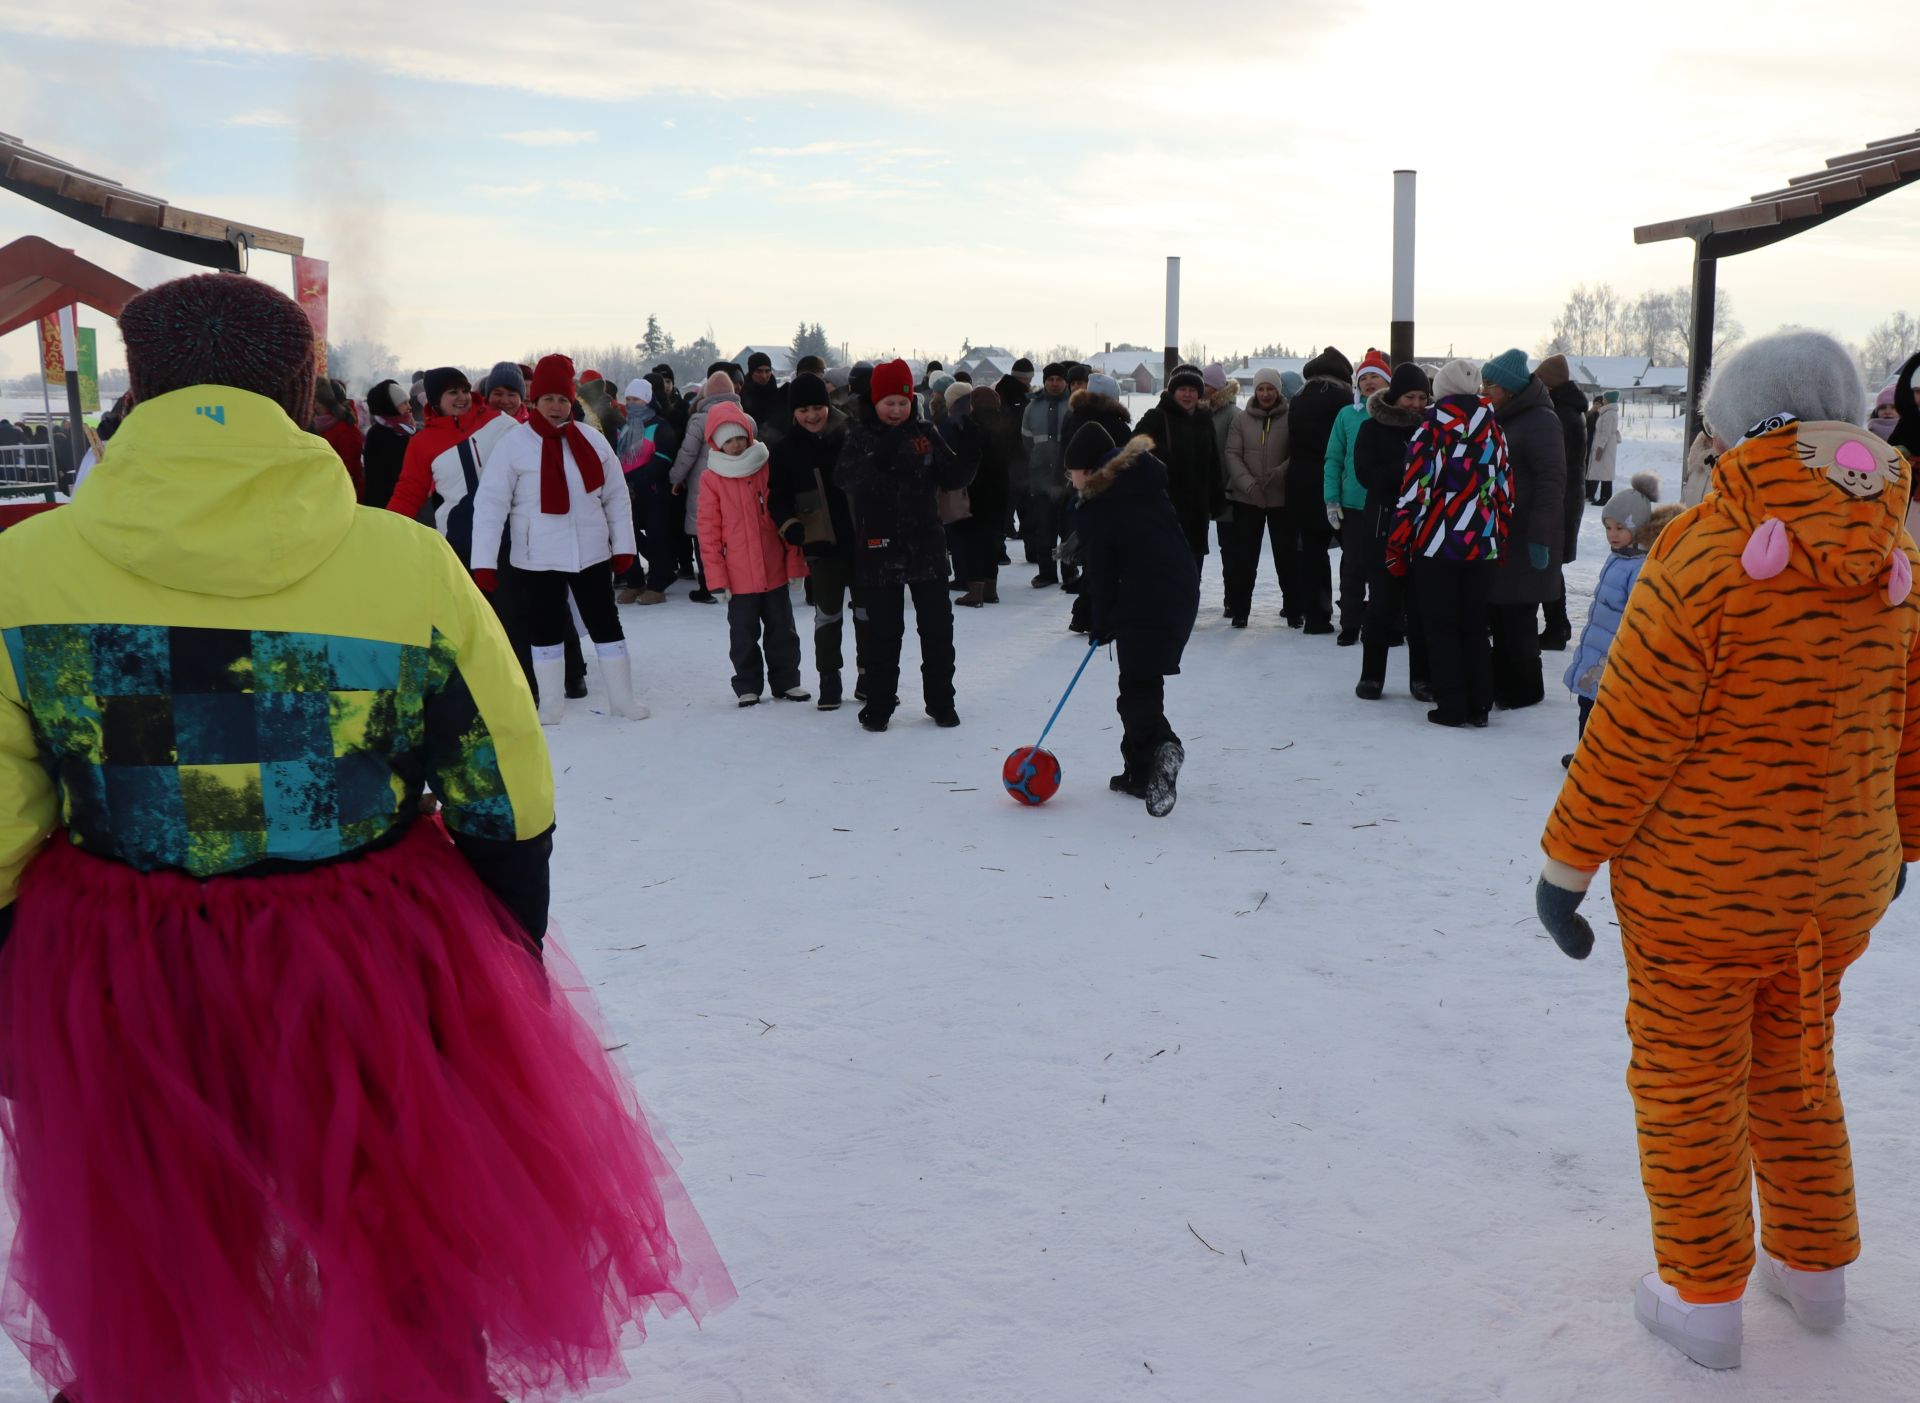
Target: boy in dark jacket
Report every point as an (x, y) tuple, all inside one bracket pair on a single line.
[(809, 505), (891, 469), (1142, 589)]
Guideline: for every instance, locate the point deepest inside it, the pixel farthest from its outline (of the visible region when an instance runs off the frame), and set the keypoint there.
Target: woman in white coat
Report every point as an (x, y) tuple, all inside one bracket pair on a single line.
[(1602, 446), (557, 488)]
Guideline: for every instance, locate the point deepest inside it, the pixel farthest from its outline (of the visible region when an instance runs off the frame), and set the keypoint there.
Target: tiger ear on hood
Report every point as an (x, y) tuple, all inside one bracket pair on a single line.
[(1899, 576)]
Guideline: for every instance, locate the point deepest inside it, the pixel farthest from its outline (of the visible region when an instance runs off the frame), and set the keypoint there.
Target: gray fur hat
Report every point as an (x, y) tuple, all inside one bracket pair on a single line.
[(1632, 506), (1807, 374), (1098, 384)]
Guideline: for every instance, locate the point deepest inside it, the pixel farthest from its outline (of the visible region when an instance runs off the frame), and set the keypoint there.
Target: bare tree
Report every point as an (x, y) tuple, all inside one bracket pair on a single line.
[(1061, 353), (1887, 347)]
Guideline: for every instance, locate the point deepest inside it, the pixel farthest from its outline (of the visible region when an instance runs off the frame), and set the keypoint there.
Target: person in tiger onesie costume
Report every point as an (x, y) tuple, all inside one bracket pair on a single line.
[(1751, 775)]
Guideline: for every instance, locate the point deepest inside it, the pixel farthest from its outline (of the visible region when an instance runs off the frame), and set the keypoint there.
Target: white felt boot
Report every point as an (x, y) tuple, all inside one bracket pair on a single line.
[(616, 670), (1819, 1298), (550, 675), (1709, 1335)]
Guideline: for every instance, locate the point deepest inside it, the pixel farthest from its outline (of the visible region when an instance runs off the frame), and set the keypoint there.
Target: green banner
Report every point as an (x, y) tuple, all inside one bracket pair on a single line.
[(89, 371)]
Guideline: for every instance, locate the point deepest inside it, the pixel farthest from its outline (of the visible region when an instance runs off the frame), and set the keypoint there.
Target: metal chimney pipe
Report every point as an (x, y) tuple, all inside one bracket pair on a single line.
[(1173, 319), (1401, 336)]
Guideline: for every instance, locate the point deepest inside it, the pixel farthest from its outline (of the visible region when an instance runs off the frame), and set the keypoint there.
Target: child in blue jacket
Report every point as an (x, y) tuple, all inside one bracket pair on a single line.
[(1628, 517)]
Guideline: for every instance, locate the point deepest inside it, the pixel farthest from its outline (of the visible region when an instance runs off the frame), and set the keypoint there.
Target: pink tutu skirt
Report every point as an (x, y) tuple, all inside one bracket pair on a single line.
[(325, 1135)]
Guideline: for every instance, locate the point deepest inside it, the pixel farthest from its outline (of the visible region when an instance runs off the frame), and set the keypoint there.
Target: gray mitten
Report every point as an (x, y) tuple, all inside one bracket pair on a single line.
[(1557, 901)]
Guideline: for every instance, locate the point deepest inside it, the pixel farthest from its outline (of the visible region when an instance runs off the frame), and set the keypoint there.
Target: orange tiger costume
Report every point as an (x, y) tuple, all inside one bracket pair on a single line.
[(1751, 772)]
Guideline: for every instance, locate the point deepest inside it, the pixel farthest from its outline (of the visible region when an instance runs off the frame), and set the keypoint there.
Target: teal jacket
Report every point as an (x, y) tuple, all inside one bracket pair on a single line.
[(1342, 484)]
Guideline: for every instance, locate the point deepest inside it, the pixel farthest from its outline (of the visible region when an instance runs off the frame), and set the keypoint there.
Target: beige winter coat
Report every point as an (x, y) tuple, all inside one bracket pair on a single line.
[(1606, 443), (1257, 457)]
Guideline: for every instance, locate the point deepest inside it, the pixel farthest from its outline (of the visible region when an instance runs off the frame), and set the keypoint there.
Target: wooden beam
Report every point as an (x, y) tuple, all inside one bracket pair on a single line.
[(132, 210), (1836, 188), (205, 226), (1753, 216), (1913, 135), (1877, 150), (31, 172)]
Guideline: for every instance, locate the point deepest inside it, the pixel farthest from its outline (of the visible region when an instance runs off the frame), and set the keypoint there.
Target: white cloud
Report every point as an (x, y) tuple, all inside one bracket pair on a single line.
[(507, 192), (812, 148), (260, 117), (550, 136)]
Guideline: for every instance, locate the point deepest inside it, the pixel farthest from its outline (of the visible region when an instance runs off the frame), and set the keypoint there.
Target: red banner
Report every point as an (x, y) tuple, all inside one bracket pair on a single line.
[(310, 291), (53, 364)]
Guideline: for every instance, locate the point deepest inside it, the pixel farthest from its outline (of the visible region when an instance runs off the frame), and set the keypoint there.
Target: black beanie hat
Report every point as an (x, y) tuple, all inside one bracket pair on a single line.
[(805, 390), (387, 398), (1187, 375), (1054, 368), (759, 360), (1329, 364), (1023, 364), (439, 381), (809, 365), (934, 365), (1078, 372), (1407, 376), (1089, 448), (662, 369)]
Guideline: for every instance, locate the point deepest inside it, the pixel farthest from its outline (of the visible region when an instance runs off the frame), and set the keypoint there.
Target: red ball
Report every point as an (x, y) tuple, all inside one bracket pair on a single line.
[(1031, 776)]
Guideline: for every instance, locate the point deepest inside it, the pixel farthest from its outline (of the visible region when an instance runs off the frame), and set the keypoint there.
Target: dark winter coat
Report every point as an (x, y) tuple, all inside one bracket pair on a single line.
[(1085, 407), (890, 476), (1380, 460), (1013, 403), (1571, 406), (1906, 433), (1311, 415), (1141, 585), (1536, 455), (1184, 442), (999, 435), (802, 475), (385, 451), (768, 405)]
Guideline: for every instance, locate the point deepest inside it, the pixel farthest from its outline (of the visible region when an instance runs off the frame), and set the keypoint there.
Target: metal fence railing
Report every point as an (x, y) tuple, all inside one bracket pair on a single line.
[(29, 469)]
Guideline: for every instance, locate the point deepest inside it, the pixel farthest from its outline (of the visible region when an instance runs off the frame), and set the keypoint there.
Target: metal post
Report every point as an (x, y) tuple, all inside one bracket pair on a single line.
[(1403, 207), (1173, 320), (1700, 339)]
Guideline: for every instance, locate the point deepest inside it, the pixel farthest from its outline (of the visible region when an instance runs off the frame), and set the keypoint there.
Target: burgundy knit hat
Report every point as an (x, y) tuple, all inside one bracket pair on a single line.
[(220, 329), (552, 375)]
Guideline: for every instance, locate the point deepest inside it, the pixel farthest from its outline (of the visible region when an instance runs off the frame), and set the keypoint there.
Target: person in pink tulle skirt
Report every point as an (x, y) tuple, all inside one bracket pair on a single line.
[(299, 1103)]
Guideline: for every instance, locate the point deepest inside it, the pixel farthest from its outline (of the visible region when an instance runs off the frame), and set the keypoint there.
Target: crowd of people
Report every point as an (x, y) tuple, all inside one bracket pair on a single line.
[(1454, 498), (263, 750)]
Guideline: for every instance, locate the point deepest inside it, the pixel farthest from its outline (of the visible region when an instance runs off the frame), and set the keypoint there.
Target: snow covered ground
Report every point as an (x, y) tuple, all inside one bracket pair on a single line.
[(1284, 1097)]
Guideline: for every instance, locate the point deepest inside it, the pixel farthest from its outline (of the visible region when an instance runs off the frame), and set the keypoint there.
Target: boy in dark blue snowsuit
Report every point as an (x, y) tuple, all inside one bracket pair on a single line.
[(1143, 592)]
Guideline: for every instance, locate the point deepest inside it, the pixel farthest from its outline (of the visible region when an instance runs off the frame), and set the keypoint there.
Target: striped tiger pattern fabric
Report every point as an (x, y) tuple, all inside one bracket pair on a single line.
[(1751, 776)]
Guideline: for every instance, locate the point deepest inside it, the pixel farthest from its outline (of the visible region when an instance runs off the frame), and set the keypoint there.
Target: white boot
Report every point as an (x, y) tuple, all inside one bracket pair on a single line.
[(1709, 1335), (1819, 1298), (616, 670), (550, 675)]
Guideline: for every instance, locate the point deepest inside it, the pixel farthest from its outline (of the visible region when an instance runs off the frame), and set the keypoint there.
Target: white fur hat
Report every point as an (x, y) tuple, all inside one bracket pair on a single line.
[(1807, 374), (1457, 377)]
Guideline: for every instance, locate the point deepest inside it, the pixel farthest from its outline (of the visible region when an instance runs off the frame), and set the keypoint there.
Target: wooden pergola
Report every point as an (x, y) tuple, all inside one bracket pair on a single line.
[(144, 220), (1804, 202)]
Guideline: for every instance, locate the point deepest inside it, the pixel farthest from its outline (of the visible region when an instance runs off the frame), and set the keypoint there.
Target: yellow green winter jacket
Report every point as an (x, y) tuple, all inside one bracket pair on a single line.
[(214, 661)]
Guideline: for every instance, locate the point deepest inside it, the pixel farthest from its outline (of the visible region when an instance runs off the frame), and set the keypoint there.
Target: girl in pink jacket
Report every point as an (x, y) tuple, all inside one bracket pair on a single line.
[(746, 557)]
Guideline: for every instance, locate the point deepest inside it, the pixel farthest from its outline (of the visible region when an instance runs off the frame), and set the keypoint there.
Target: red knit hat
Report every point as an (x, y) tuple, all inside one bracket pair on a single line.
[(552, 376), (220, 329), (1374, 363), (587, 377), (891, 377)]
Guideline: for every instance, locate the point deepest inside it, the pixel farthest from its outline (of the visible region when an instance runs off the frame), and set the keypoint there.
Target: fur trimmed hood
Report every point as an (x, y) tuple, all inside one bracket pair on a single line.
[(1088, 405), (1227, 394), (1392, 415), (1103, 478)]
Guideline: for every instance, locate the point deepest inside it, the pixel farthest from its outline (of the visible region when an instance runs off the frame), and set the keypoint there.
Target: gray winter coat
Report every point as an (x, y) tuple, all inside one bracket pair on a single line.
[(1040, 429), (1257, 457), (1537, 456), (1224, 405), (691, 460)]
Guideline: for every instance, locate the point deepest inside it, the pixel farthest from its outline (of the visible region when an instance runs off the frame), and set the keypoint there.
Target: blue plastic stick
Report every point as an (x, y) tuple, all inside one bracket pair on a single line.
[(1027, 768)]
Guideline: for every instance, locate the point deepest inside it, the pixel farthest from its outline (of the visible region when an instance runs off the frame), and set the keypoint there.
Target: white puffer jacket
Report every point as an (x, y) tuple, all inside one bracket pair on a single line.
[(450, 479), (597, 525)]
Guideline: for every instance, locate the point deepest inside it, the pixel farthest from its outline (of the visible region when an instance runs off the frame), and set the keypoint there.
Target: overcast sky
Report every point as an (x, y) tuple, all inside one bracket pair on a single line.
[(487, 178)]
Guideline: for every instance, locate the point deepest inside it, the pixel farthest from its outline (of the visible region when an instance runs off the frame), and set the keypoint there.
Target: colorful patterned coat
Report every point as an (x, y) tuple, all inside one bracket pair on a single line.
[(1456, 500)]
